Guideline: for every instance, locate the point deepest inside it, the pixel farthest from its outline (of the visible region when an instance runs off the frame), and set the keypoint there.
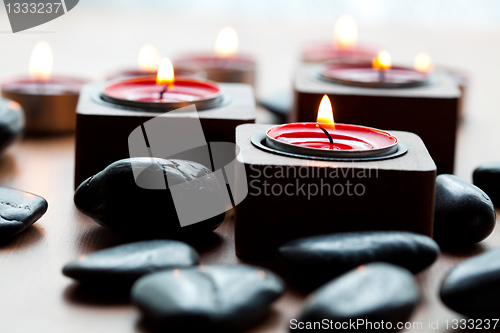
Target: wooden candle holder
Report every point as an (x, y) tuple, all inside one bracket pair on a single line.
[(46, 114), (398, 195), (430, 111), (103, 128), (234, 73)]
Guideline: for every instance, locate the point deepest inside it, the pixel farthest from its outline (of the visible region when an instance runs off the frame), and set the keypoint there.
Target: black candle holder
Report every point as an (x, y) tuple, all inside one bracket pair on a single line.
[(395, 193), (430, 110), (103, 127)]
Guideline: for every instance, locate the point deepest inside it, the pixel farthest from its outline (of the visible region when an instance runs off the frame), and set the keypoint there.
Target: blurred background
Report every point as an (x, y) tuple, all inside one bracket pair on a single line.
[(99, 36)]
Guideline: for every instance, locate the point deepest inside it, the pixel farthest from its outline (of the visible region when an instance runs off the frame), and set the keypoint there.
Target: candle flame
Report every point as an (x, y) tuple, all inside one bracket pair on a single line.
[(40, 68), (325, 112), (382, 60), (346, 32), (227, 42), (149, 59), (165, 74), (423, 63)]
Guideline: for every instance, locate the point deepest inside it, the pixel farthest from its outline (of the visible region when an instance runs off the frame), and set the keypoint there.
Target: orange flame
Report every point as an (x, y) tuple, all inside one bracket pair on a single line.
[(423, 63), (346, 32), (382, 60), (325, 112), (41, 62), (227, 42), (148, 59), (165, 75)]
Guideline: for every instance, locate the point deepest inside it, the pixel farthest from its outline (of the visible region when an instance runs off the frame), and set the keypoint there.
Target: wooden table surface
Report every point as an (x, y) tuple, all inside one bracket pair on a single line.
[(36, 297)]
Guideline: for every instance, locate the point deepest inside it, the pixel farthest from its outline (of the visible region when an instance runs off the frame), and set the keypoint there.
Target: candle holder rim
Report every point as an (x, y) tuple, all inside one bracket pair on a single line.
[(76, 82), (259, 141), (322, 152), (97, 97), (200, 103), (319, 73)]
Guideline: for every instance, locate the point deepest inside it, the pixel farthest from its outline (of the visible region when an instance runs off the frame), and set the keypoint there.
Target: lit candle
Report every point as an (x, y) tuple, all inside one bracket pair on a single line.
[(49, 102), (325, 138), (344, 48), (226, 64), (148, 61), (380, 73), (423, 63), (165, 90)]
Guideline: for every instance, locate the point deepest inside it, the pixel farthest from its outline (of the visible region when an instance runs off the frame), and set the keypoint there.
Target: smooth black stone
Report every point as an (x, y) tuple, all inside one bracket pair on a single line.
[(212, 298), (315, 260), (464, 214), (487, 178), (374, 292), (11, 122), (19, 210), (126, 263), (113, 199), (472, 288)]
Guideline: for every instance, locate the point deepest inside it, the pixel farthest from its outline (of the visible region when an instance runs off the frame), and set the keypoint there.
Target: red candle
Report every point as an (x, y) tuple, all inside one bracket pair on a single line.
[(51, 87), (379, 74), (49, 102), (147, 64), (343, 49), (226, 64), (325, 138), (321, 52), (165, 91)]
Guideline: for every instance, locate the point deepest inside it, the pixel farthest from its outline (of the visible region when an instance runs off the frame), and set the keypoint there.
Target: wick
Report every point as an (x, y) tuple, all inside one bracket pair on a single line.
[(381, 75), (163, 91), (327, 134)]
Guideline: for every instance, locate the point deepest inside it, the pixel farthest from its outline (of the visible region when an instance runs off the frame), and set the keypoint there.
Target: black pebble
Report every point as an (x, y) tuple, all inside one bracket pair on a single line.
[(472, 288), (11, 122), (19, 210), (126, 263), (374, 292), (487, 178), (464, 214), (114, 200), (315, 260), (207, 298)]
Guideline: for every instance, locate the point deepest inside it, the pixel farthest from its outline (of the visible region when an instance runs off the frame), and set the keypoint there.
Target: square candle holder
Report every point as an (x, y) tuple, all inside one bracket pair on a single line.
[(103, 128), (430, 111), (387, 194)]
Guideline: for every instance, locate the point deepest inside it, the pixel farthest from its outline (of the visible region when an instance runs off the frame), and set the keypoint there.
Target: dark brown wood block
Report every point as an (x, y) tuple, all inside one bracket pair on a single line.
[(398, 195), (429, 111), (102, 130)]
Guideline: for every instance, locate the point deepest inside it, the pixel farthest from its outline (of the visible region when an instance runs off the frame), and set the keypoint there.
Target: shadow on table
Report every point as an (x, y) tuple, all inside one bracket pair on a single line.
[(8, 167), (103, 295), (144, 325), (464, 252), (98, 238), (25, 239)]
